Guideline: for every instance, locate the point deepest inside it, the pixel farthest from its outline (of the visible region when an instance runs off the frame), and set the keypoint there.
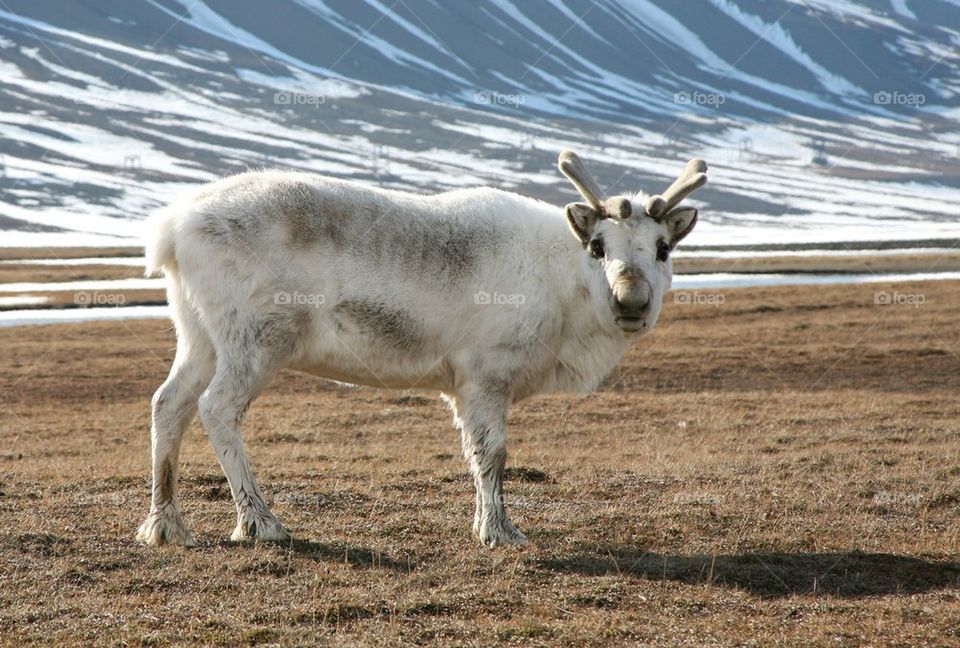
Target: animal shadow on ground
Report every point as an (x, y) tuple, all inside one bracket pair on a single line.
[(323, 552), (771, 575)]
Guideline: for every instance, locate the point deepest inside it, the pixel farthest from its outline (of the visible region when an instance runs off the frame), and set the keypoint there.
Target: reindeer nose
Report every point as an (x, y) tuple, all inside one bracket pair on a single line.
[(632, 299), (632, 306)]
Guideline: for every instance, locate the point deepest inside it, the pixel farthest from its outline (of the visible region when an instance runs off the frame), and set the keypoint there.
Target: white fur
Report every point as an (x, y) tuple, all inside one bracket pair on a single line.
[(385, 289)]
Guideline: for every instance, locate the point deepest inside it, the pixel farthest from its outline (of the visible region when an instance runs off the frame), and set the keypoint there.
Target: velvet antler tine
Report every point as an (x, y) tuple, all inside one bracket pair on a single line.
[(693, 177), (576, 171)]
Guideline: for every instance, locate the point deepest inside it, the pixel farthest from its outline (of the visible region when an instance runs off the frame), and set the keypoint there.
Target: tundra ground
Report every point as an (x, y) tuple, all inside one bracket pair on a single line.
[(778, 466)]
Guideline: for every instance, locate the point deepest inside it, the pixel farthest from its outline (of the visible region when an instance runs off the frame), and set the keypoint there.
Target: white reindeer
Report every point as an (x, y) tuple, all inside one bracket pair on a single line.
[(481, 294)]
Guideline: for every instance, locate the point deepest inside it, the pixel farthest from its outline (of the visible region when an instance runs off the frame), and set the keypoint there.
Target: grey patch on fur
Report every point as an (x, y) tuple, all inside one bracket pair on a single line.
[(279, 331), (499, 388), (165, 484), (240, 227), (492, 468), (311, 216), (226, 231), (276, 334), (516, 347), (448, 252), (397, 327), (490, 461), (493, 465), (629, 277)]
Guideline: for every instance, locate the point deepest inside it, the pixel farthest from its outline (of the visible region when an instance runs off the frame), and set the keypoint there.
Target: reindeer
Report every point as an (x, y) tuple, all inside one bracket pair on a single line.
[(480, 294)]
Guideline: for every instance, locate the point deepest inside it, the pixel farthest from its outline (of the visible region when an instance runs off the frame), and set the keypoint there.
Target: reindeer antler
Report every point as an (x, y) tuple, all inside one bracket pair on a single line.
[(576, 171), (693, 177)]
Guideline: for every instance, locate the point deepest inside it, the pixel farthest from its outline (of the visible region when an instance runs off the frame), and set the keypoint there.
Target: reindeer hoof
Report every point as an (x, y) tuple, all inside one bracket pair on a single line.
[(501, 534), (165, 527), (260, 527)]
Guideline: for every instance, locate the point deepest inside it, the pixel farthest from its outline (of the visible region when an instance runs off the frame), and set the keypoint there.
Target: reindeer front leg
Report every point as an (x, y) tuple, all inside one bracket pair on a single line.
[(481, 414)]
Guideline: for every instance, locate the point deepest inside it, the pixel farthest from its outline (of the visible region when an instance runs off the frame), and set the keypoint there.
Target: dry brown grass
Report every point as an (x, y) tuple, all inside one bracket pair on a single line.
[(39, 273), (14, 273), (783, 468), (942, 261), (82, 299), (10, 254)]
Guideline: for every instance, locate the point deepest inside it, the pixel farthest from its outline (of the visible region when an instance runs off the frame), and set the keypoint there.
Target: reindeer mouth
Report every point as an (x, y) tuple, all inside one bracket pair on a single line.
[(631, 324)]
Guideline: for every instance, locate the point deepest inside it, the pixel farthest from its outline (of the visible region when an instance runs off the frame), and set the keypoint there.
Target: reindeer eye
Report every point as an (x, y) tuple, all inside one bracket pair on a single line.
[(663, 251), (596, 249)]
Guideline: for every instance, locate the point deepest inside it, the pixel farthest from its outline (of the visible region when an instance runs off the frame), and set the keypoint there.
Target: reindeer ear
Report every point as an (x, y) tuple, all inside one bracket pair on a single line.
[(582, 219), (679, 223)]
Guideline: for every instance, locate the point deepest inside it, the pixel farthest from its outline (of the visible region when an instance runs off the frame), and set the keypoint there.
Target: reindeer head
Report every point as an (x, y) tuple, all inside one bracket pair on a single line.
[(630, 240)]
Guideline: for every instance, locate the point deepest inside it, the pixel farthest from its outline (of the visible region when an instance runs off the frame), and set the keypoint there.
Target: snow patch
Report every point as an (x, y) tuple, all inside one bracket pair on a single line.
[(58, 316), (900, 6), (304, 83), (23, 300)]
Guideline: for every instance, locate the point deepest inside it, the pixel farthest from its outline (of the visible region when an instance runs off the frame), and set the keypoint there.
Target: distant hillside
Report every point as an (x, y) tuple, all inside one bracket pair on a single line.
[(823, 120)]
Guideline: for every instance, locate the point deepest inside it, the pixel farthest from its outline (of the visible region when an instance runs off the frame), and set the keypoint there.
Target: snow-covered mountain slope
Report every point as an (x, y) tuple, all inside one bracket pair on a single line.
[(823, 120)]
